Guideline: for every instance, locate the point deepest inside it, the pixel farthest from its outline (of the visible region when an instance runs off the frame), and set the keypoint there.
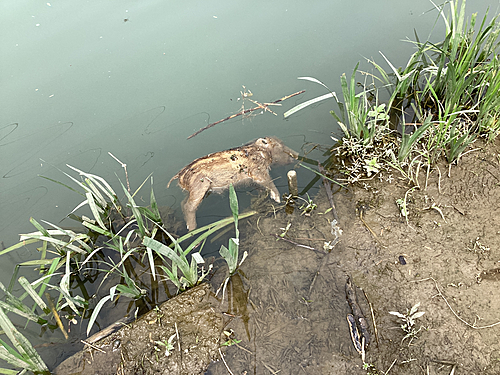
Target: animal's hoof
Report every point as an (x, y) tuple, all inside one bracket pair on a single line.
[(275, 197)]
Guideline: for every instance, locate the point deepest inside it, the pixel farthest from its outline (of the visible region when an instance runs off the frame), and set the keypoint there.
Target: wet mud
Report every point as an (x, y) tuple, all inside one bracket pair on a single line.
[(190, 322), (446, 257), (287, 310)]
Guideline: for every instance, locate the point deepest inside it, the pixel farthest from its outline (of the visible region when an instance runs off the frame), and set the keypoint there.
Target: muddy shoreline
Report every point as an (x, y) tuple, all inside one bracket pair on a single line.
[(287, 305), (450, 247)]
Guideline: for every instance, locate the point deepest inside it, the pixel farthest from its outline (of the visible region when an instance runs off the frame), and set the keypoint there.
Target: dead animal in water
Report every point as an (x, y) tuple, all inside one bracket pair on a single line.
[(238, 166)]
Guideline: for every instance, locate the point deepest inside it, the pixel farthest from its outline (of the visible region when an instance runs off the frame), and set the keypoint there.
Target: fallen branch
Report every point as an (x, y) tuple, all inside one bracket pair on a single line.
[(244, 112)]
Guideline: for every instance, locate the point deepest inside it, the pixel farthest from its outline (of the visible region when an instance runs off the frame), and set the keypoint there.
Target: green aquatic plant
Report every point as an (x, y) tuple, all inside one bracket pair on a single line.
[(230, 338), (451, 87), (441, 101), (130, 231), (231, 253), (168, 345), (408, 321), (22, 354), (366, 120)]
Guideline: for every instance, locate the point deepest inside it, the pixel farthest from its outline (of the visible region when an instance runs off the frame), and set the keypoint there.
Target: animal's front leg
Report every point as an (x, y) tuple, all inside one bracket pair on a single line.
[(264, 180)]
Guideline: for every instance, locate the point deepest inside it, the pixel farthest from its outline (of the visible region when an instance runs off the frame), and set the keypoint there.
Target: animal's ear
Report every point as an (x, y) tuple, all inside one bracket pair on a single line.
[(261, 142)]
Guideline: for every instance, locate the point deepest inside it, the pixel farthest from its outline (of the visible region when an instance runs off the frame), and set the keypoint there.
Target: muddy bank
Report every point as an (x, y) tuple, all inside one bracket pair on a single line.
[(191, 323), (446, 259), (287, 305)]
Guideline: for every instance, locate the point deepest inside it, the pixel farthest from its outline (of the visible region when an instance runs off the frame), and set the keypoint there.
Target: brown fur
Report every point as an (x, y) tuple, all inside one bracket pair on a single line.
[(241, 165)]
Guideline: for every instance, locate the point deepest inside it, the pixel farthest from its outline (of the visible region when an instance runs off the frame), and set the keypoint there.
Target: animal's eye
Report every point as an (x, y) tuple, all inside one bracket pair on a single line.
[(264, 141)]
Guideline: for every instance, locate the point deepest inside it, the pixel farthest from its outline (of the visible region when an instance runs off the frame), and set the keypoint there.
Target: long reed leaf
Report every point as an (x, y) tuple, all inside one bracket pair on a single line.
[(22, 344)]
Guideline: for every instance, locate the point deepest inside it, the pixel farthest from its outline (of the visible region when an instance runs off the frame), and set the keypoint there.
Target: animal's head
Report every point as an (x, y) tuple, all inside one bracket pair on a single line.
[(279, 152)]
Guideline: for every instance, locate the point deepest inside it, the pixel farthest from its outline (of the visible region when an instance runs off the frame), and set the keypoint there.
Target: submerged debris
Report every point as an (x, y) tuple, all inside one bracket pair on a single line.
[(357, 321)]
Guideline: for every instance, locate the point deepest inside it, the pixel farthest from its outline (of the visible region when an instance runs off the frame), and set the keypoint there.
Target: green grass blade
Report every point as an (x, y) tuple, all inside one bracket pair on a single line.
[(308, 103), (33, 294), (151, 262), (25, 314), (97, 229), (38, 226), (168, 252), (66, 186), (98, 181), (233, 203), (54, 241), (97, 310), (19, 245), (22, 344), (154, 205), (96, 193), (136, 213), (96, 210), (8, 354), (6, 371)]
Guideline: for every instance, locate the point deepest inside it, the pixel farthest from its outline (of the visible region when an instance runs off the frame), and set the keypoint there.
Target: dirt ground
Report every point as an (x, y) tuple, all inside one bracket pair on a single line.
[(289, 303)]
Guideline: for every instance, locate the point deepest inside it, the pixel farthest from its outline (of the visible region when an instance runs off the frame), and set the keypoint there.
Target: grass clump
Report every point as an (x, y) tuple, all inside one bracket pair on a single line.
[(119, 237), (438, 104)]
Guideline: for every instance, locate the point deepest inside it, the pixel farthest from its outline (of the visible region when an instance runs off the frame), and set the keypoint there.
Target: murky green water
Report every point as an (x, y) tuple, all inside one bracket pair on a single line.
[(81, 79)]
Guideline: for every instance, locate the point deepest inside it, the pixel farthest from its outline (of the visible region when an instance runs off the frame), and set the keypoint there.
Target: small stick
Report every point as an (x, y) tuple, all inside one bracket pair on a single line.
[(56, 315), (453, 311), (270, 369), (298, 244), (260, 106), (264, 106), (178, 338), (93, 346), (312, 283), (373, 317), (310, 239), (223, 360), (124, 166), (447, 363), (370, 229), (392, 364), (243, 348)]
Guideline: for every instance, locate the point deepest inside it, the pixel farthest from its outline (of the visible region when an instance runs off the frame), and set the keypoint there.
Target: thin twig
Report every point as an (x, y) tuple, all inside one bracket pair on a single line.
[(373, 316), (178, 338), (243, 348), (271, 370), (244, 112), (124, 166), (298, 244), (312, 283), (392, 364), (328, 192), (93, 346), (453, 311), (371, 231), (223, 360)]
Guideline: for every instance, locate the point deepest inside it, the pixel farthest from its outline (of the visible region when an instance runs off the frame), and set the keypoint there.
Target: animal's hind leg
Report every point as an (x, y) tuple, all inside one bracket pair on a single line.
[(191, 204)]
